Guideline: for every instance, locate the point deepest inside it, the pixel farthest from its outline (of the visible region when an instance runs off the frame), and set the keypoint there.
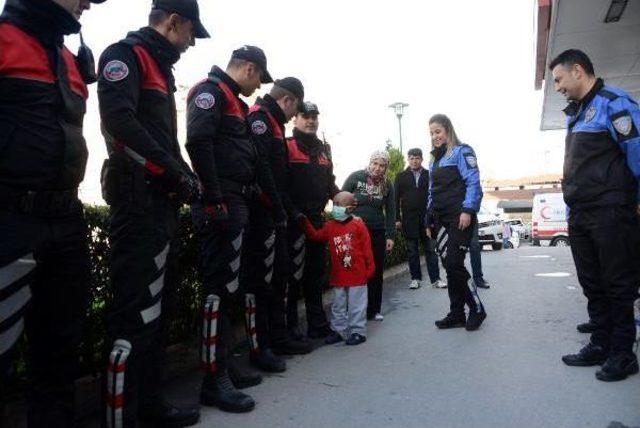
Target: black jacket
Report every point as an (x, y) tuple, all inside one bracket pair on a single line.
[(221, 149), (42, 99), (266, 121), (310, 173), (137, 105), (411, 202), (601, 162)]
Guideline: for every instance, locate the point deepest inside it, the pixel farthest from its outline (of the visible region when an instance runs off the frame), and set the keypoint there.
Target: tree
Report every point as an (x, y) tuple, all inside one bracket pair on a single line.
[(396, 162)]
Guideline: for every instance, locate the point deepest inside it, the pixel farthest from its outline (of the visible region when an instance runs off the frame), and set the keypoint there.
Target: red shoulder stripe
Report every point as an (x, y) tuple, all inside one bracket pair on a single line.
[(152, 77)]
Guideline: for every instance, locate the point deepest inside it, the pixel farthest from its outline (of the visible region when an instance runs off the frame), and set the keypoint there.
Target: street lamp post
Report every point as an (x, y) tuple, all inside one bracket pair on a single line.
[(399, 110)]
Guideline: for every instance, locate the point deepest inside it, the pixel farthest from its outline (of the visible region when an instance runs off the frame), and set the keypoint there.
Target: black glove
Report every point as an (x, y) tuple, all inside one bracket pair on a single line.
[(189, 189)]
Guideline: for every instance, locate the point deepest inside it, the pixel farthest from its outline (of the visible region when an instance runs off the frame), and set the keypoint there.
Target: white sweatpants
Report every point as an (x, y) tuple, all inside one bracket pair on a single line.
[(349, 310)]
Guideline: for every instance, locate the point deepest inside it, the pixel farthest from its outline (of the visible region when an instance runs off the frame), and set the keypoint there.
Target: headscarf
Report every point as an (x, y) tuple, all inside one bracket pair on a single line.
[(380, 180)]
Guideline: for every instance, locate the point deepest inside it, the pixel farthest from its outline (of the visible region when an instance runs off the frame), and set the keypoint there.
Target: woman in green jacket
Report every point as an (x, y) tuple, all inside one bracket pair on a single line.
[(375, 204)]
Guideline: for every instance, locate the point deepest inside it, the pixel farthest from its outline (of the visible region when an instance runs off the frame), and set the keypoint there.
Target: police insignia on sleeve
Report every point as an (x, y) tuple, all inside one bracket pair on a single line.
[(115, 71), (471, 160), (205, 101), (623, 125), (258, 127), (589, 114)]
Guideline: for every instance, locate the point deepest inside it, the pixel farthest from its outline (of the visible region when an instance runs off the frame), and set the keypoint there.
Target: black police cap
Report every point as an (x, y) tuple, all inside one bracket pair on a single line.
[(309, 108), (292, 85), (255, 55), (187, 9)]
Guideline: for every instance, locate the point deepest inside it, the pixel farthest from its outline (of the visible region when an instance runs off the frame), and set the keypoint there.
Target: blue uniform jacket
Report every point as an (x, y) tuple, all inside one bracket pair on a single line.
[(454, 184), (602, 149)]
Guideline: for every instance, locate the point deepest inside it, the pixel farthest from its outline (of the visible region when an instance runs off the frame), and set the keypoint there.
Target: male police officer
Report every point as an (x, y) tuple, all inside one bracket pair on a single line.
[(600, 187), (311, 185), (227, 163), (44, 257), (145, 181), (266, 263)]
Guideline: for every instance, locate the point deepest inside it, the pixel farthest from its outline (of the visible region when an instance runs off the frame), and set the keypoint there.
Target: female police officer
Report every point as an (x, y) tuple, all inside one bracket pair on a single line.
[(454, 199)]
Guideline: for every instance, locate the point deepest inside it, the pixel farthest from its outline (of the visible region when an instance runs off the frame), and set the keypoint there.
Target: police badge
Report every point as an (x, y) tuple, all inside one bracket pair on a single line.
[(589, 114), (623, 125)]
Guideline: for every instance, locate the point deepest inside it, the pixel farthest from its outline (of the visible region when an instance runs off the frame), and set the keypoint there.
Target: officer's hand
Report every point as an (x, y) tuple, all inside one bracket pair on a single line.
[(428, 232), (389, 245), (465, 221), (217, 216), (398, 225), (188, 190)]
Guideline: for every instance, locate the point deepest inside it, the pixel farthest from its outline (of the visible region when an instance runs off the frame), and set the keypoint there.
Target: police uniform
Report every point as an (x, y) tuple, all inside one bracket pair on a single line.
[(265, 266), (44, 257), (227, 163), (455, 189), (311, 185), (600, 187), (145, 180)]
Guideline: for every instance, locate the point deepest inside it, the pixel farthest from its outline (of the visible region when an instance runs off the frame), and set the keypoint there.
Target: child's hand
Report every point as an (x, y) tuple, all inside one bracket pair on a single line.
[(389, 245)]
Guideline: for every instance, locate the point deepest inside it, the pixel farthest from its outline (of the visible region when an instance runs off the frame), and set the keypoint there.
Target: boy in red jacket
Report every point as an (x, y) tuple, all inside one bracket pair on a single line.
[(351, 267)]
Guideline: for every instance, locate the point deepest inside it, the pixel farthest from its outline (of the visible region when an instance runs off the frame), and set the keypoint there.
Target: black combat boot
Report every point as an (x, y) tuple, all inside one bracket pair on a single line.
[(292, 347), (475, 319), (618, 367), (218, 390), (587, 327), (451, 321), (589, 355), (266, 361), (163, 414), (243, 377)]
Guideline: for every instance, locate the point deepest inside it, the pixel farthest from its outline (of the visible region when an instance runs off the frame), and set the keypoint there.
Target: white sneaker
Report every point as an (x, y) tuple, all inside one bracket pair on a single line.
[(378, 317), (414, 284), (440, 283)]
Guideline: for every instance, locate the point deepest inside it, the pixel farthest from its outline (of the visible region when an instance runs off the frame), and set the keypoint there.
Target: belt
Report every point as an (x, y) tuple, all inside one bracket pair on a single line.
[(44, 203)]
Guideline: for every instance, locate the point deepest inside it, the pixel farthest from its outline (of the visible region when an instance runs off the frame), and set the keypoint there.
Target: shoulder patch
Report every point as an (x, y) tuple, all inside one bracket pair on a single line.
[(205, 101), (624, 126), (590, 114), (115, 71), (471, 160), (258, 127)]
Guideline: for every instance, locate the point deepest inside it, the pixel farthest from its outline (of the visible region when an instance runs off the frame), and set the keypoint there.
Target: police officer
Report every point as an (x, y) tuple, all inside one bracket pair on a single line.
[(311, 185), (145, 180), (226, 160), (454, 199), (44, 257), (266, 262), (600, 187)]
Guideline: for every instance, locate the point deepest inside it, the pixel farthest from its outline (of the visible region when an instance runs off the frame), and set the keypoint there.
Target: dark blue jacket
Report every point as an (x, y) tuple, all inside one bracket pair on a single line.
[(454, 184), (602, 150)]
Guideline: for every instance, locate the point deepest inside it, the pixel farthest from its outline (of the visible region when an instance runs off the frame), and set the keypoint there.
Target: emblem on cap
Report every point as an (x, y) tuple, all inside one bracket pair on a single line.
[(589, 114), (258, 127), (205, 101), (623, 125), (115, 71)]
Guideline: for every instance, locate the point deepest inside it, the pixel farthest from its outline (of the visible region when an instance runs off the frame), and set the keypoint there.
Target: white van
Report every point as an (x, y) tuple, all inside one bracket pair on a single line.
[(549, 220), (489, 229)]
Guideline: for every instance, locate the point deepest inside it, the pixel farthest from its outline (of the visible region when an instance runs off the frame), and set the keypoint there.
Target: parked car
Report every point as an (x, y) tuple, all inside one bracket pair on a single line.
[(489, 229), (549, 220)]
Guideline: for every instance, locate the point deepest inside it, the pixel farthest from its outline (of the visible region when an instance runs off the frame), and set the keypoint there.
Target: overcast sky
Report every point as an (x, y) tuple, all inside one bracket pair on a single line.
[(470, 59)]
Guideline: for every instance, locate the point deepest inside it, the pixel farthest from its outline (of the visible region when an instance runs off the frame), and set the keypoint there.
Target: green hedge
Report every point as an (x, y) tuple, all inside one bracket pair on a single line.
[(181, 302)]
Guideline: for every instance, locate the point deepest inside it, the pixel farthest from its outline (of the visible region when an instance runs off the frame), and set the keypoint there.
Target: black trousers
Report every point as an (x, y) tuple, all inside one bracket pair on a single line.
[(264, 275), (220, 260), (44, 284), (413, 254), (605, 243), (374, 286), (308, 262), (452, 245), (143, 224)]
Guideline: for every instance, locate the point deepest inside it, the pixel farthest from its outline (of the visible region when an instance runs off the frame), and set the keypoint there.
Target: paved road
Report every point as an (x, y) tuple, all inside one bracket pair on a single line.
[(409, 374)]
